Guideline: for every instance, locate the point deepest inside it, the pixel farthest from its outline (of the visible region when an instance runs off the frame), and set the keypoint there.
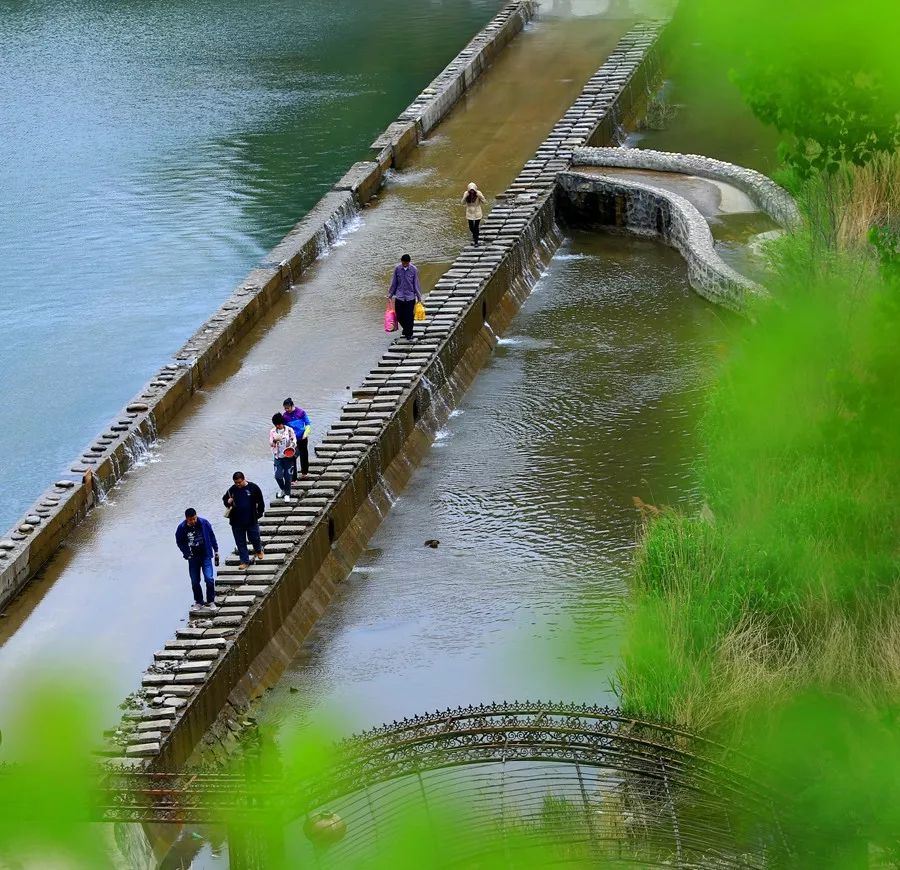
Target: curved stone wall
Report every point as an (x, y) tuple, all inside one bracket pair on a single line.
[(771, 198), (649, 211), (37, 535), (193, 677)]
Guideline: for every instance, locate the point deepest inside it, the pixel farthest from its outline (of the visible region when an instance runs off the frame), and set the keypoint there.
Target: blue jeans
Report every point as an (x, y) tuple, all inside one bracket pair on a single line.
[(284, 472), (241, 533), (195, 565)]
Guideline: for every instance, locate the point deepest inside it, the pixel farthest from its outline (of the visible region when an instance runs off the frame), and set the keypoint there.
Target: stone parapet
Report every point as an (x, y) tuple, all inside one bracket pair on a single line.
[(649, 211), (771, 198), (31, 542), (197, 671)]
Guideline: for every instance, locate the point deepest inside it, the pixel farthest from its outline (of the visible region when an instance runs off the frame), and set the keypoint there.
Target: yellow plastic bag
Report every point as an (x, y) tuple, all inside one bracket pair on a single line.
[(419, 311)]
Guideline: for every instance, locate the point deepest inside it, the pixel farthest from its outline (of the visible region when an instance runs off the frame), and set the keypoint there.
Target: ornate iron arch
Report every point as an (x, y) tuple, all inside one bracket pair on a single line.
[(678, 799), (592, 783)]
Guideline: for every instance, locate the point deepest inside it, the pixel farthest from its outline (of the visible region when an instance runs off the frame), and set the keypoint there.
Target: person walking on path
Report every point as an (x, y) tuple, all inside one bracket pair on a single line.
[(283, 442), (197, 541), (299, 421), (245, 505), (472, 200), (405, 291)]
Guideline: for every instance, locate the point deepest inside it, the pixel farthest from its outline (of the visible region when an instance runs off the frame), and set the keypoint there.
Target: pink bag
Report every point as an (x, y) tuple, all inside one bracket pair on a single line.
[(390, 318)]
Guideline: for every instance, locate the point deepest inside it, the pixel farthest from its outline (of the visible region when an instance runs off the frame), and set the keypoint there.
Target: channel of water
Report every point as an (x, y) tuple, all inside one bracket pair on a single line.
[(119, 586), (589, 399)]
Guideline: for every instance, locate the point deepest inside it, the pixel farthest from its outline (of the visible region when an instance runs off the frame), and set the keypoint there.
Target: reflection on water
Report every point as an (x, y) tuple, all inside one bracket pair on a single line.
[(710, 118), (149, 154), (589, 401)]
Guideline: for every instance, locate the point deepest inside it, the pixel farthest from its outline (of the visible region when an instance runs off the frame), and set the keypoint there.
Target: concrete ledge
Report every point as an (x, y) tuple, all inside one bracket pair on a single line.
[(28, 546), (649, 211), (771, 198), (484, 285)]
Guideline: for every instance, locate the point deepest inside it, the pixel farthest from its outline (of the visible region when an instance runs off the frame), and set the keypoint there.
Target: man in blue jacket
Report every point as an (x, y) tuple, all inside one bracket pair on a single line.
[(299, 421), (197, 541)]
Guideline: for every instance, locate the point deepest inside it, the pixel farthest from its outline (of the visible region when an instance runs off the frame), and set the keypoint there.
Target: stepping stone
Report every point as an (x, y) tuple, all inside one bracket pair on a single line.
[(143, 749), (182, 691), (204, 642), (154, 725)]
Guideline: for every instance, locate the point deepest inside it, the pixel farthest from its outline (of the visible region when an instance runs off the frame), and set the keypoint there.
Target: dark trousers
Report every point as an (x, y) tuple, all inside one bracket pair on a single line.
[(197, 565), (405, 313), (284, 472), (241, 533), (474, 229), (303, 455)]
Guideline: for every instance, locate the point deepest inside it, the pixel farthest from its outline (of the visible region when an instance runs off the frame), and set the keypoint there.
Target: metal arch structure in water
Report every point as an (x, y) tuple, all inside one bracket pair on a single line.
[(518, 775), (627, 790)]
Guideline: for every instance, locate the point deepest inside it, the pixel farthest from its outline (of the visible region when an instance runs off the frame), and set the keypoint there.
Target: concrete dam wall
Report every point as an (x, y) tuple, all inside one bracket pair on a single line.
[(34, 539), (273, 603)]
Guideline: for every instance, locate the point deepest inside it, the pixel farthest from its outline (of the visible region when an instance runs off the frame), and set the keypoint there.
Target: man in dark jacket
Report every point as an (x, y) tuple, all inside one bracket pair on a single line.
[(197, 541), (246, 505)]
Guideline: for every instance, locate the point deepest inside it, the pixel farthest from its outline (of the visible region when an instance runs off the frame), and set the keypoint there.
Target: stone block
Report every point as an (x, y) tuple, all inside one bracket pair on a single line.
[(141, 750), (157, 725)]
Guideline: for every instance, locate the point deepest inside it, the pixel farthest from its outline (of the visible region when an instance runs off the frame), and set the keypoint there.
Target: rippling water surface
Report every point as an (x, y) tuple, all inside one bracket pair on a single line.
[(149, 154), (590, 399)]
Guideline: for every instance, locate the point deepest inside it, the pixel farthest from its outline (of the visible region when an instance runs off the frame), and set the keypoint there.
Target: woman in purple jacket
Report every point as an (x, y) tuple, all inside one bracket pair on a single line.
[(405, 291)]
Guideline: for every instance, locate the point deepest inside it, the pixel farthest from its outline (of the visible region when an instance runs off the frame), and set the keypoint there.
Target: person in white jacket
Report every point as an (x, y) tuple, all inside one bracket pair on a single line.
[(283, 442), (472, 200)]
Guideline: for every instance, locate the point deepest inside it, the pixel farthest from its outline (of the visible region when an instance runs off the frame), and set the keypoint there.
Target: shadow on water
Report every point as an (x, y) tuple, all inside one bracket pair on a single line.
[(705, 114)]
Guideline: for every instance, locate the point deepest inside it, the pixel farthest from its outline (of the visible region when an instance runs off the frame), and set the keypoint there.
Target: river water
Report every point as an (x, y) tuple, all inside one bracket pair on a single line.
[(589, 400), (149, 155), (118, 588)]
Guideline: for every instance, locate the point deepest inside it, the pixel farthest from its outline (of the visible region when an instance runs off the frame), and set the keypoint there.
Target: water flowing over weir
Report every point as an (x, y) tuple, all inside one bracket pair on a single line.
[(589, 400), (300, 348), (269, 608)]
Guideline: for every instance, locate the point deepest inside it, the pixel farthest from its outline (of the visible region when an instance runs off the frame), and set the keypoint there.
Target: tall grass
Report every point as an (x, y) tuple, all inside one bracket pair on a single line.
[(840, 208), (773, 621)]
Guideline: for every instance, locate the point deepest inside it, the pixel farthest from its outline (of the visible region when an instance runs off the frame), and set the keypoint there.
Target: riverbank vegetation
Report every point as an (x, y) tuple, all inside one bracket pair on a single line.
[(772, 618)]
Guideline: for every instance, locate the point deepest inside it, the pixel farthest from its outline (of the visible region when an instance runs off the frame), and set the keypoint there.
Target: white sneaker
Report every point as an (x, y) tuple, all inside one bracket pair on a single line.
[(287, 498), (211, 606)]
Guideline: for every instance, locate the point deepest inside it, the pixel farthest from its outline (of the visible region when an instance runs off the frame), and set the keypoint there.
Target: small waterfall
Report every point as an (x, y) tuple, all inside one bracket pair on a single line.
[(117, 469), (383, 497), (99, 492), (345, 220), (436, 401), (139, 448), (619, 133)]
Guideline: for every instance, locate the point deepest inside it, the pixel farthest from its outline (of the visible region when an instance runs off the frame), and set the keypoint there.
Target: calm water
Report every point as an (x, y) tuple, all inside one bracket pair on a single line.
[(710, 118), (589, 400), (149, 154)]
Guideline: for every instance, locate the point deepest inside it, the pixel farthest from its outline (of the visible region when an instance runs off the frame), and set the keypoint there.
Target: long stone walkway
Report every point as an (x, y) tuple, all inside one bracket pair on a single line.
[(195, 672), (115, 593)]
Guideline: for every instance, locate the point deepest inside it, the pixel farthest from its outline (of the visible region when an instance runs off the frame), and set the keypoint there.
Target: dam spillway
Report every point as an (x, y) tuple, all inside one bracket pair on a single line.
[(495, 129)]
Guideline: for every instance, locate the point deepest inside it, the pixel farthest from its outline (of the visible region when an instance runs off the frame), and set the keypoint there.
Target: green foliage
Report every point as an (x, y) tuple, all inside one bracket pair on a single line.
[(824, 74), (886, 242), (775, 626), (49, 791)]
